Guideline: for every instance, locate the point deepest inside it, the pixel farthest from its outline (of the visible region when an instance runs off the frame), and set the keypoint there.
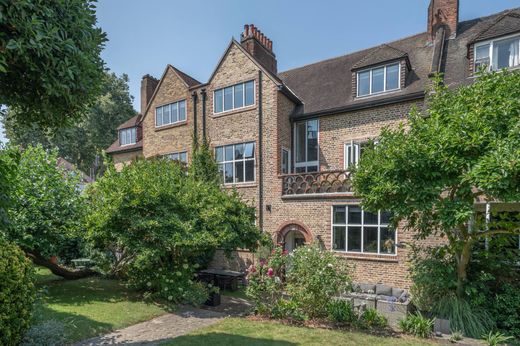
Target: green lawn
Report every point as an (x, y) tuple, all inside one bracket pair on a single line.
[(236, 331), (91, 306)]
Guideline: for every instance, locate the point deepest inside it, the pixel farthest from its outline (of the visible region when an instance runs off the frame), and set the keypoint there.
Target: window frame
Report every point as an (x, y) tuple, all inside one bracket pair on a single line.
[(133, 130), (170, 106), (233, 97), (370, 69), (224, 162), (288, 160), (169, 156), (305, 164), (362, 225), (490, 42)]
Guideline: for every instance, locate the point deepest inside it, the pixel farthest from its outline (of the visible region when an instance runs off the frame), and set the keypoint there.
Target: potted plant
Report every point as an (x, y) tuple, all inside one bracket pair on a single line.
[(214, 296)]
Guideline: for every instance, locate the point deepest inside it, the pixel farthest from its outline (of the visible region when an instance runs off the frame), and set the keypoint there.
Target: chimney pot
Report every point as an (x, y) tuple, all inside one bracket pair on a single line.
[(246, 30)]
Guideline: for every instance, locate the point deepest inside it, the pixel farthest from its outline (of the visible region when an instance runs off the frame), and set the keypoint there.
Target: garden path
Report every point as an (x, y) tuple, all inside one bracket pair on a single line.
[(169, 326)]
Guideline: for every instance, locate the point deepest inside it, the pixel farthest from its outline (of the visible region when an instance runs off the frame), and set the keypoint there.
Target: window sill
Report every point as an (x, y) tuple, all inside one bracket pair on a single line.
[(233, 111), (239, 185), (389, 92), (170, 126), (392, 258)]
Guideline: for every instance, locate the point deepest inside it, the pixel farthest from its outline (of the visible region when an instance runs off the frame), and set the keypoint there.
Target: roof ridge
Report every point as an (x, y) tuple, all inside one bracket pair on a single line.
[(500, 16), (355, 52), (186, 77)]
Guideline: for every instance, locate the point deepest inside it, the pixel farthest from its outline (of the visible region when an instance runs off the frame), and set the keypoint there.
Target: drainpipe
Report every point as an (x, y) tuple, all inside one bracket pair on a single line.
[(194, 96), (260, 155), (203, 93)]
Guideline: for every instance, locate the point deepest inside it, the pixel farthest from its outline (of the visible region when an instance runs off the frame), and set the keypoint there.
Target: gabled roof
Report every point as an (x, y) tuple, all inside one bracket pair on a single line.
[(507, 23), (133, 121), (326, 86), (379, 55), (117, 148), (188, 80)]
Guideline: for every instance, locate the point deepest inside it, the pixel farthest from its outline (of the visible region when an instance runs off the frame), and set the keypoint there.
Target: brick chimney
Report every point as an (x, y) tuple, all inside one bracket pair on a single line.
[(443, 13), (259, 46), (148, 85)]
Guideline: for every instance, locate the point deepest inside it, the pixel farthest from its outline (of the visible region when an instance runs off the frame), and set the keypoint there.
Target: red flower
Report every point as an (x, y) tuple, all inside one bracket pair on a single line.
[(251, 269), (263, 262), (270, 272), (285, 252)]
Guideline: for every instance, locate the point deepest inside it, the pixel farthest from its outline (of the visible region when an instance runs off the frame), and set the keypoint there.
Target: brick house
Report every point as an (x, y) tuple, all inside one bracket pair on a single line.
[(286, 140)]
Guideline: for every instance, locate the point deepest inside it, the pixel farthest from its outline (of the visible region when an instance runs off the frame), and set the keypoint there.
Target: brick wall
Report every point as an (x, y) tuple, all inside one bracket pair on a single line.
[(121, 159)]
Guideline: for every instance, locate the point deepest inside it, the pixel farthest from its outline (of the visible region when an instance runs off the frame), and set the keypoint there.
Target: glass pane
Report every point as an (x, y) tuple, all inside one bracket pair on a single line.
[(250, 93), (285, 162), (370, 218), (183, 157), (228, 173), (134, 133), (340, 215), (250, 170), (364, 83), (122, 138), (182, 110), (354, 215), (312, 140), (370, 239), (239, 171), (221, 169), (219, 154), (218, 101), (175, 112), (300, 169), (385, 217), (301, 129), (239, 151), (505, 53), (354, 239), (378, 80), (228, 98), (387, 240), (392, 77), (228, 153), (239, 95), (338, 238), (158, 116), (312, 169), (482, 52), (249, 151)]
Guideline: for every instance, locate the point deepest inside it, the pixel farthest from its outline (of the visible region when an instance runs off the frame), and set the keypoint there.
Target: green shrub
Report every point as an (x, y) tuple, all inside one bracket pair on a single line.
[(505, 309), (471, 321), (342, 311), (417, 325), (495, 339), (17, 293), (314, 277), (288, 309), (456, 336), (46, 333), (371, 318)]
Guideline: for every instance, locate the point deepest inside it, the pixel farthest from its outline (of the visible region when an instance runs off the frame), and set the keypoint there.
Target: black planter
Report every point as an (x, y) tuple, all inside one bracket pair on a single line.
[(213, 300)]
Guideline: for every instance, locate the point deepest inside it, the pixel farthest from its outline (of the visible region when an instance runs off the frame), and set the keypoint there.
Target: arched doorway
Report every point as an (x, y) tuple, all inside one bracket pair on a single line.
[(292, 236)]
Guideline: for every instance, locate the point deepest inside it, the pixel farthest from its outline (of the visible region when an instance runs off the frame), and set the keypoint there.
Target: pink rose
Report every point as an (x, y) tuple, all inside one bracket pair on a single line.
[(270, 272), (251, 269), (285, 252), (263, 262)]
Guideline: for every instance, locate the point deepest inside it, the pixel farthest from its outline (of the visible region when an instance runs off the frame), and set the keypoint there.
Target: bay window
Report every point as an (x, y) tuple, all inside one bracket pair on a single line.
[(306, 146), (358, 231), (498, 54), (236, 162)]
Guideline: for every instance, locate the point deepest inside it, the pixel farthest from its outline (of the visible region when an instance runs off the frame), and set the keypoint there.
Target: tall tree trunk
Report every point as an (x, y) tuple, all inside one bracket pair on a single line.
[(462, 267), (57, 269)]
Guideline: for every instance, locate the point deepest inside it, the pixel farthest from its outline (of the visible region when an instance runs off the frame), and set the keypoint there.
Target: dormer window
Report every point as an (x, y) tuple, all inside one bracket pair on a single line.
[(498, 54), (379, 79), (128, 136)]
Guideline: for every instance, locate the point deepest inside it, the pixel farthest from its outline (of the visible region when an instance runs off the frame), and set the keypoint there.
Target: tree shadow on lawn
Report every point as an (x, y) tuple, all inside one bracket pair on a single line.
[(77, 327), (217, 339)]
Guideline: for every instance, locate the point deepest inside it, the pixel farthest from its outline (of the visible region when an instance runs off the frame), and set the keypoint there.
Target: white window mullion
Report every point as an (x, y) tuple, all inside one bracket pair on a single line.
[(378, 231), (362, 231), (384, 79)]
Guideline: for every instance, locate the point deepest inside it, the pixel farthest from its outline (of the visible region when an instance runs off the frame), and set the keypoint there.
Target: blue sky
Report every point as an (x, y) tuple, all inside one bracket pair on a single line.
[(144, 36)]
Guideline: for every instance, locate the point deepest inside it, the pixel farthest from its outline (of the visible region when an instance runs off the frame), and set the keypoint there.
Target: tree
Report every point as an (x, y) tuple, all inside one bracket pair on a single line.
[(153, 216), (47, 209), (82, 141), (431, 171), (50, 65)]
